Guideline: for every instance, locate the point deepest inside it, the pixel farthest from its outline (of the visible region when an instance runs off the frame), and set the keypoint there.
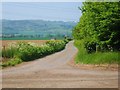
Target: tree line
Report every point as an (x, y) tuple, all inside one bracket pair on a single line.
[(99, 26)]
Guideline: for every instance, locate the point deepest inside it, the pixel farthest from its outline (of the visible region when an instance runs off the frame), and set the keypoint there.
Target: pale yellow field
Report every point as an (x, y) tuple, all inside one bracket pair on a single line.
[(7, 42)]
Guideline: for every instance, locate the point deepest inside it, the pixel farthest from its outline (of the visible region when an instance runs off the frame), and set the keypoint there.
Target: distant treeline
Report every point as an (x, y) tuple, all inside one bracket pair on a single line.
[(36, 29), (46, 36)]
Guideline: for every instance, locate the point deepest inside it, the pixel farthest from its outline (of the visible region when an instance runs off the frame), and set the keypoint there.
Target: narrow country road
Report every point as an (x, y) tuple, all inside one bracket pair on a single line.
[(53, 72)]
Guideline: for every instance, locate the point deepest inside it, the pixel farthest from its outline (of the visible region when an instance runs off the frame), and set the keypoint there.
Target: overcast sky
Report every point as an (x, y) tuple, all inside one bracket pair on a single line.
[(59, 11)]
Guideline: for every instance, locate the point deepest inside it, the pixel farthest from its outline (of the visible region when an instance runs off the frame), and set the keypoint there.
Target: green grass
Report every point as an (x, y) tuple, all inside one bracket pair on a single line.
[(95, 58)]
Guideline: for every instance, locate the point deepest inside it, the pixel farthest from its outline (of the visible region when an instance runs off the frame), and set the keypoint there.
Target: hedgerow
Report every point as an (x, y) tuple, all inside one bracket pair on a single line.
[(30, 51)]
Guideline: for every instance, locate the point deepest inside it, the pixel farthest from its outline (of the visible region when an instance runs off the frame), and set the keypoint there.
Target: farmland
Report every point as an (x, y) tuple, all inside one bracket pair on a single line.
[(7, 42)]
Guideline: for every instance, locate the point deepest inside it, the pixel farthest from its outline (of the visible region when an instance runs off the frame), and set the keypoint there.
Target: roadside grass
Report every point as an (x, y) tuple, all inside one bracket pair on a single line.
[(95, 58)]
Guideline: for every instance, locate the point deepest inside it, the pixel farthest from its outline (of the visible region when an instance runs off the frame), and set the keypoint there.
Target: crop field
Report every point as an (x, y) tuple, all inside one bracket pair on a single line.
[(7, 42)]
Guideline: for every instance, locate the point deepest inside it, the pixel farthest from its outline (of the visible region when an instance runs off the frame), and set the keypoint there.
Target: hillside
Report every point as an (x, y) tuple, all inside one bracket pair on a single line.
[(36, 28)]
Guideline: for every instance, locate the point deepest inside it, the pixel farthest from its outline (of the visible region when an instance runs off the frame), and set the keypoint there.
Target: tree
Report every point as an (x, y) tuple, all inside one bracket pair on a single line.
[(99, 25)]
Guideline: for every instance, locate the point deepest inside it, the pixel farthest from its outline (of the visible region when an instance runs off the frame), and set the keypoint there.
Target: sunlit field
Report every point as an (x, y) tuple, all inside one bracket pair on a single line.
[(7, 42)]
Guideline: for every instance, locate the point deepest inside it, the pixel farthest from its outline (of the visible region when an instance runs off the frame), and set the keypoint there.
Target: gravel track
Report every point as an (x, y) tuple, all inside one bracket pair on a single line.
[(53, 72)]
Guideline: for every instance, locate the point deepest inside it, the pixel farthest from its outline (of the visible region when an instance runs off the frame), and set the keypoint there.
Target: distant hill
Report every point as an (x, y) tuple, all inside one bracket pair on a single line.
[(36, 28)]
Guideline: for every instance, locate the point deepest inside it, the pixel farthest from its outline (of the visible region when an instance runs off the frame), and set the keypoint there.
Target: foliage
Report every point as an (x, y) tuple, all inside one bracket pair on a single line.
[(66, 41), (9, 52), (35, 29), (12, 62), (30, 52), (99, 26), (95, 58), (56, 45), (27, 51)]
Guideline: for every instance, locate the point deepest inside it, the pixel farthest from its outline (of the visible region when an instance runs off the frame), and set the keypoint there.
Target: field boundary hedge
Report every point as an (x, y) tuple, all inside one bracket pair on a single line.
[(27, 51)]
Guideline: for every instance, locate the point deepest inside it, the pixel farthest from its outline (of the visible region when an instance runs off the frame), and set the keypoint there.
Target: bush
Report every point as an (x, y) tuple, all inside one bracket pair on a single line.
[(12, 62), (57, 45), (66, 41), (9, 52), (27, 52), (90, 46), (30, 51)]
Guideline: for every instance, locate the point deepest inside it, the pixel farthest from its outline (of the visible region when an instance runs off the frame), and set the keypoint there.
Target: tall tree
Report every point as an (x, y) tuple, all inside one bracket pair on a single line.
[(99, 25)]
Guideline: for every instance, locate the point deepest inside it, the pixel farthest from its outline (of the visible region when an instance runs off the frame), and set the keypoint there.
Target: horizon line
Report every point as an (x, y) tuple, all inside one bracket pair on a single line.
[(40, 19)]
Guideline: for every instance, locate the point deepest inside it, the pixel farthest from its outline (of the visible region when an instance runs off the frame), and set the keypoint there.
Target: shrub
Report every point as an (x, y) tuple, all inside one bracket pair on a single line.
[(30, 51), (66, 41), (9, 52), (12, 62), (90, 46), (26, 52), (57, 45)]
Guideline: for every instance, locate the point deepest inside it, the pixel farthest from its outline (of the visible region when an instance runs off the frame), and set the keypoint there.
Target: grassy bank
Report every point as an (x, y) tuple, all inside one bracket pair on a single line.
[(95, 58)]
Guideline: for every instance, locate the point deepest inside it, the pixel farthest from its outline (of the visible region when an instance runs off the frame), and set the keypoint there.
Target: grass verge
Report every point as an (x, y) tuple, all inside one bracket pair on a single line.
[(95, 58)]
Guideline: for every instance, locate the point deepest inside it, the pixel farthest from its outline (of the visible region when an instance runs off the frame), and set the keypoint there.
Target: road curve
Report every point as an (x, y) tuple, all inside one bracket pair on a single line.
[(53, 72)]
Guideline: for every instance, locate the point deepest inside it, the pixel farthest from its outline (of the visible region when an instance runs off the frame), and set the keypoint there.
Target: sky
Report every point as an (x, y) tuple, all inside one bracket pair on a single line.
[(53, 11), (43, 0)]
